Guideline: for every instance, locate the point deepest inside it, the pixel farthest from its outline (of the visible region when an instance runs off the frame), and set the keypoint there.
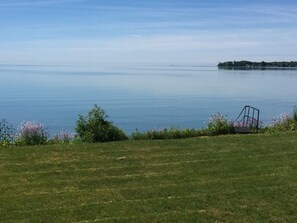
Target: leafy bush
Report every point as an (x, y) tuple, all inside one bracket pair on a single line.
[(32, 133), (171, 133), (95, 127), (6, 133), (219, 125)]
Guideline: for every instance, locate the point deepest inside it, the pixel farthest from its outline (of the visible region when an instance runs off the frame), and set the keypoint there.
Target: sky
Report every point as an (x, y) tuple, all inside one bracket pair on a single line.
[(94, 32)]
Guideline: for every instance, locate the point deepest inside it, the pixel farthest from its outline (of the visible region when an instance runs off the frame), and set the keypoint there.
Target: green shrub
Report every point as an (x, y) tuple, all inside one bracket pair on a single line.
[(95, 127), (219, 125), (6, 133)]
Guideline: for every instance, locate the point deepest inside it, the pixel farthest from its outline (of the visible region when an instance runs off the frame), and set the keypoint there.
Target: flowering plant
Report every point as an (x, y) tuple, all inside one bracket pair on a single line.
[(32, 133), (283, 122), (218, 124), (63, 137)]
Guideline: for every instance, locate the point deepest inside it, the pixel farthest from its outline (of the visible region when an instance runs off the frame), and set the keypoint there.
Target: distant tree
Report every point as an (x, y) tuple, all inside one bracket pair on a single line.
[(245, 63)]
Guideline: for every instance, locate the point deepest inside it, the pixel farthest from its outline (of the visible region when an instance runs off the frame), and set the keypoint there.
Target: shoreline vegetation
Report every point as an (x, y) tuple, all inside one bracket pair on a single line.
[(95, 127), (245, 64)]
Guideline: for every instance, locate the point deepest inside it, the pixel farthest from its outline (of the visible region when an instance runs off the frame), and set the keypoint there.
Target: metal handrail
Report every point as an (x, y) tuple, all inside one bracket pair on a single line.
[(250, 117)]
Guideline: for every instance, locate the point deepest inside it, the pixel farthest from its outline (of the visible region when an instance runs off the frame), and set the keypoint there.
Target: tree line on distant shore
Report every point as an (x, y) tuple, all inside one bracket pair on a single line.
[(263, 64)]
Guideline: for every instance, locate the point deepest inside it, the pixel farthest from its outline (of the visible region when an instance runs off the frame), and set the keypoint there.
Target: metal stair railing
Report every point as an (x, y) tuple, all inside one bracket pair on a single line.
[(248, 120)]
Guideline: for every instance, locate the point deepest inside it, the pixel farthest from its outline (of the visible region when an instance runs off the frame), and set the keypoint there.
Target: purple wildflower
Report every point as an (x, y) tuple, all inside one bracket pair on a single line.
[(32, 133)]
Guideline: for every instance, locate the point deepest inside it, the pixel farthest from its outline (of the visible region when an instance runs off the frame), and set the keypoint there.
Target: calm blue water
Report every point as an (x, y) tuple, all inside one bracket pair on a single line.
[(141, 96)]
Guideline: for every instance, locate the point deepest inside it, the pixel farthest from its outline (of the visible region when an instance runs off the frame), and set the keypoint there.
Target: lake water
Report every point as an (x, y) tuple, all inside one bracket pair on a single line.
[(141, 96)]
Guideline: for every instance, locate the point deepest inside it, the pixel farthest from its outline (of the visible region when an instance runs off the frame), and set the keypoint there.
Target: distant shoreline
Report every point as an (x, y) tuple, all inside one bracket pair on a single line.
[(244, 64)]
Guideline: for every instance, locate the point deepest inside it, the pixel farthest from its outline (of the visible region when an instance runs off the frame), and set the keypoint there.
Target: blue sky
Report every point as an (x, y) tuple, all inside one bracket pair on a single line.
[(92, 32)]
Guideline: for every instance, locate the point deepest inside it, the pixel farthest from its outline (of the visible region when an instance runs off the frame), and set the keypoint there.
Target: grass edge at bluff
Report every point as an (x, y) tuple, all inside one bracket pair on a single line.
[(237, 178)]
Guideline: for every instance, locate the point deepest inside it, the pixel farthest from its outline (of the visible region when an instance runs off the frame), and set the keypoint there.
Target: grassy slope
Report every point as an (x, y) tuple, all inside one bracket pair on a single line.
[(248, 178)]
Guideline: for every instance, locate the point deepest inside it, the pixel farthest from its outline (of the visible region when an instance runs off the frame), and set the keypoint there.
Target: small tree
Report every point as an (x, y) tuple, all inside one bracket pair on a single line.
[(95, 127)]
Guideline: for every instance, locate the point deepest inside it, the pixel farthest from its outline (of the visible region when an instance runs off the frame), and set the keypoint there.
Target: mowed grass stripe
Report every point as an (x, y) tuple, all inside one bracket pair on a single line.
[(57, 158), (160, 205), (253, 177), (166, 166), (109, 168), (147, 192), (191, 169), (98, 185), (146, 200), (124, 161), (177, 194), (53, 153), (72, 189)]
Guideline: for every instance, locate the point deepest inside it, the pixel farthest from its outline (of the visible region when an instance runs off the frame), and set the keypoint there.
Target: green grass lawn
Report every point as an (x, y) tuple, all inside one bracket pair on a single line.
[(248, 178)]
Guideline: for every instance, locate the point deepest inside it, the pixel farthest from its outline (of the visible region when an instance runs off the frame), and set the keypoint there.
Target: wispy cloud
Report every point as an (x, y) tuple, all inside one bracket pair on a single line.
[(77, 30), (210, 46)]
